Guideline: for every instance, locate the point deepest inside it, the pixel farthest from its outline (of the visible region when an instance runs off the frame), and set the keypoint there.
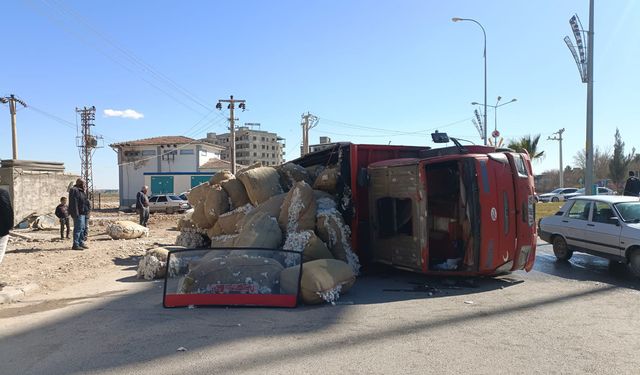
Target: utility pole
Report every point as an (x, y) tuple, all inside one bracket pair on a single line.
[(559, 138), (87, 143), (309, 121), (585, 68), (12, 100), (232, 145)]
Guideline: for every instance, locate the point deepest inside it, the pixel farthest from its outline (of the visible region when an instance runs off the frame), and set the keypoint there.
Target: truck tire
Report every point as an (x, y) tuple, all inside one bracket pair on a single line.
[(560, 249), (634, 262)]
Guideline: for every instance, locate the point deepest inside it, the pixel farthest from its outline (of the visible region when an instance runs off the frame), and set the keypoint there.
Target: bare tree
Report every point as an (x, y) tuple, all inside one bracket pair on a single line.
[(601, 161)]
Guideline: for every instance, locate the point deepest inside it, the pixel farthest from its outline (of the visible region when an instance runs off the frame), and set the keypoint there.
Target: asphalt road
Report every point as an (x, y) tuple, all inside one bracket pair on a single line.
[(576, 318)]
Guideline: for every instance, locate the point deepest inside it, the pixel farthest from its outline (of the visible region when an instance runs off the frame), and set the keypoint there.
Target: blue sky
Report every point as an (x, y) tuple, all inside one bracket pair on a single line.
[(373, 72)]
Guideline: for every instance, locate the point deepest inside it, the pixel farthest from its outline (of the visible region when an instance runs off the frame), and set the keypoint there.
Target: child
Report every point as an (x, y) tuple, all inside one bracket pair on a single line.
[(62, 212)]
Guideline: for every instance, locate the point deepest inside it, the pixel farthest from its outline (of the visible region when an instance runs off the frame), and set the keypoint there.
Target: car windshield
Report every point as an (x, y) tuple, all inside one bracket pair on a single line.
[(175, 198), (629, 211)]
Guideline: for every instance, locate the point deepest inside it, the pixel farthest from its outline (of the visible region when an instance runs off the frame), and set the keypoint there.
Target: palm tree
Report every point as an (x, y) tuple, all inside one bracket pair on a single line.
[(529, 144)]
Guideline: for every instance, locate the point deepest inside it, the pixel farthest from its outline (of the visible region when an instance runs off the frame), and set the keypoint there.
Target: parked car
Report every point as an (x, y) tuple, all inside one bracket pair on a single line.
[(184, 196), (556, 195), (601, 191), (603, 225), (168, 203)]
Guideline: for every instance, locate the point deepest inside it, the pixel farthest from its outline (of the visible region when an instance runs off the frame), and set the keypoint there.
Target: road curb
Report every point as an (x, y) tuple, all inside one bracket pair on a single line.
[(10, 294)]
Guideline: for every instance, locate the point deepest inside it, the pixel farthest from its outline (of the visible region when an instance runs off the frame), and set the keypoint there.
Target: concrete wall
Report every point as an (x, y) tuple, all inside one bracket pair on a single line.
[(34, 187)]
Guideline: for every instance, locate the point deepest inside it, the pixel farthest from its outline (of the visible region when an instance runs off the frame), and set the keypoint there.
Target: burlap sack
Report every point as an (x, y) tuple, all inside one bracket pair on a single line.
[(332, 230), (298, 211), (314, 171), (271, 207), (126, 230), (236, 191), (199, 218), (185, 222), (261, 230), (291, 173), (254, 275), (315, 249), (249, 167), (197, 193), (226, 223), (261, 184), (327, 180), (226, 240), (223, 175), (322, 280), (216, 203)]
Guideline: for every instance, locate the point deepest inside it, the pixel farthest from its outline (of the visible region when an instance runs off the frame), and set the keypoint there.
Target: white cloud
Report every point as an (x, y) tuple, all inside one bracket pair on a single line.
[(127, 113)]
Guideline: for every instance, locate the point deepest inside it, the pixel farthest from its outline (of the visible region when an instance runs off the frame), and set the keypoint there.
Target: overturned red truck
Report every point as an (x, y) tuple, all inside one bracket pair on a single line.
[(464, 210)]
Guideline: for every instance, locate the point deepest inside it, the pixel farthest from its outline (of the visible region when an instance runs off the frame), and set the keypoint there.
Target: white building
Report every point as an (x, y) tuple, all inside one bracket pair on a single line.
[(252, 146), (171, 164)]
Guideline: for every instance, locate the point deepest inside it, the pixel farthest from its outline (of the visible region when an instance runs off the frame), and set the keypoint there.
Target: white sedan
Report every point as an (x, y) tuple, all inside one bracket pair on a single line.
[(556, 195), (603, 225)]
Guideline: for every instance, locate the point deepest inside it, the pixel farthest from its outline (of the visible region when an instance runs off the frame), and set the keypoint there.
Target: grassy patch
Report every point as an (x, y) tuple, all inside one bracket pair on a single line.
[(547, 209)]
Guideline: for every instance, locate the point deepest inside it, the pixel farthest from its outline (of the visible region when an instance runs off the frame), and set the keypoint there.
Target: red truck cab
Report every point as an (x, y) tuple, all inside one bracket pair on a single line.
[(452, 210)]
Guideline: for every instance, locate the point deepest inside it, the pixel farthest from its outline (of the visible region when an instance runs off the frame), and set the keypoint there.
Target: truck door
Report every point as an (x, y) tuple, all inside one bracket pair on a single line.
[(526, 231), (502, 214)]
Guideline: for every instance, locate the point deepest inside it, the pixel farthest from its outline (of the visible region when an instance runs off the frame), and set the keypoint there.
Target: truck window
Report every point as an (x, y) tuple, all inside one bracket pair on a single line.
[(521, 167), (395, 217)]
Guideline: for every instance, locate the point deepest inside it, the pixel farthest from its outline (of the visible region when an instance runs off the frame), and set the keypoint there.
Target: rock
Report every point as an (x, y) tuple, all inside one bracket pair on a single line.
[(126, 230)]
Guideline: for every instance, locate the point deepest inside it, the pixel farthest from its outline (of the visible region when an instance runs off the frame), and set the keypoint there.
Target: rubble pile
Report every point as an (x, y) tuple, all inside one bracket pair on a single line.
[(288, 207)]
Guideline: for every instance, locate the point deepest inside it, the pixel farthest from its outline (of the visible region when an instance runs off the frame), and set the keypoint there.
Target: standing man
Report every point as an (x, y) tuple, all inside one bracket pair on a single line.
[(632, 187), (142, 205), (78, 210), (6, 221)]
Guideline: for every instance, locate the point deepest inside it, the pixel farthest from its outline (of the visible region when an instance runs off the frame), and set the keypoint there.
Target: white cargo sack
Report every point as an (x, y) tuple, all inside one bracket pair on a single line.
[(126, 230), (261, 183)]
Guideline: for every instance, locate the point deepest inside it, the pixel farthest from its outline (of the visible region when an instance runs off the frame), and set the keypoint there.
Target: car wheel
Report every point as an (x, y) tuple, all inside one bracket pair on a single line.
[(634, 262), (560, 249), (555, 199), (169, 210)]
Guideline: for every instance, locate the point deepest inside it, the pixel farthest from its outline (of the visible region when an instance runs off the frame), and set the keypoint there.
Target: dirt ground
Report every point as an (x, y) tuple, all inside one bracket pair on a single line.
[(50, 263)]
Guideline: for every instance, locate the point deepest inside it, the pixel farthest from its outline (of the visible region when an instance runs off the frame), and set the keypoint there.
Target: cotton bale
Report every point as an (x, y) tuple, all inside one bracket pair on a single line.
[(261, 184), (327, 180), (126, 230), (298, 211), (236, 191), (261, 230), (322, 280)]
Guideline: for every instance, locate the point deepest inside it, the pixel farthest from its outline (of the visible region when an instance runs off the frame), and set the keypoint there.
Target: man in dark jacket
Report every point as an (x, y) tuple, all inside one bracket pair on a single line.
[(632, 187), (78, 210), (142, 205), (6, 220)]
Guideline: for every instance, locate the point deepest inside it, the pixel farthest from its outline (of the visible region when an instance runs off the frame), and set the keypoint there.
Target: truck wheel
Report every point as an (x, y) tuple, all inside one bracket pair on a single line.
[(634, 262), (555, 199), (560, 249)]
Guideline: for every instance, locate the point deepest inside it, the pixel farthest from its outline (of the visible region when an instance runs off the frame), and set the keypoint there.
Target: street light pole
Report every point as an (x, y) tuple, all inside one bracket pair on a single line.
[(495, 114), (456, 19)]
